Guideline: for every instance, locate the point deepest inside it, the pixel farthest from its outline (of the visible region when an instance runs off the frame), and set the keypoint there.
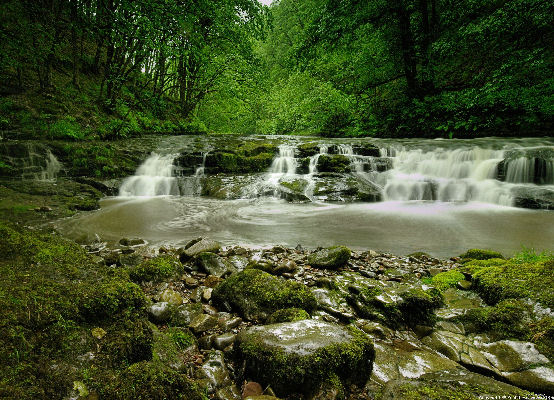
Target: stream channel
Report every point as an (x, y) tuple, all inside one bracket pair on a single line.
[(398, 196)]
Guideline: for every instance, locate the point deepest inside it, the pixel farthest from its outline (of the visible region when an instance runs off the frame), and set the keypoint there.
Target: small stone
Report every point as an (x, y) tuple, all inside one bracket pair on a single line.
[(206, 342), (207, 294), (212, 281), (98, 333), (464, 285), (215, 371), (252, 389), (43, 209), (210, 310), (200, 246), (160, 312), (228, 393), (434, 271), (191, 282), (172, 297), (223, 341), (287, 266), (203, 323), (227, 324), (131, 242)]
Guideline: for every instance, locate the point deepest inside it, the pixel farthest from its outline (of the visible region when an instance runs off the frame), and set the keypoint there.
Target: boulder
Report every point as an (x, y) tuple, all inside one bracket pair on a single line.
[(330, 258), (256, 294), (214, 265), (214, 372), (298, 357), (202, 323), (450, 384), (202, 246)]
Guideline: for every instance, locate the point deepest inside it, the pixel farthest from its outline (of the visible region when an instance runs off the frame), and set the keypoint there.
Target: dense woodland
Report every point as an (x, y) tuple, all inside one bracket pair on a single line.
[(113, 68)]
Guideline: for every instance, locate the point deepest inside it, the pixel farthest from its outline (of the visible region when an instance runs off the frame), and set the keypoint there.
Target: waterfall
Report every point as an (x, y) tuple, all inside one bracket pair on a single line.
[(51, 169), (283, 164), (446, 175), (192, 185), (153, 178), (312, 170), (530, 170)]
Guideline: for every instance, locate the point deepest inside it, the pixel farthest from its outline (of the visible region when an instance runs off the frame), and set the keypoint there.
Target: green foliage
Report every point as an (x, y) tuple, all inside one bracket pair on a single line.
[(66, 128)]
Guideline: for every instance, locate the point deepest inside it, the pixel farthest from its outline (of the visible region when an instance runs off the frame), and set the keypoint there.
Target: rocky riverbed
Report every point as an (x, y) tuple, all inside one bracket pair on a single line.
[(207, 321)]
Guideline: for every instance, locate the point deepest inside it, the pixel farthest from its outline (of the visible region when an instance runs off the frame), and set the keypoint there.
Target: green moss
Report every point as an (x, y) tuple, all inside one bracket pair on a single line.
[(257, 294), (479, 254), (111, 298), (51, 296), (333, 163), (495, 280), (332, 257), (508, 319), (288, 315), (127, 342), (151, 380), (448, 279), (156, 269), (288, 372), (297, 185), (183, 338)]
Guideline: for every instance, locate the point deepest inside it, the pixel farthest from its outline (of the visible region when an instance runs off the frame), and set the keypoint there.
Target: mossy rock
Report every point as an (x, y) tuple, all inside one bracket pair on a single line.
[(331, 258), (51, 296), (288, 315), (256, 294), (296, 186), (152, 381), (495, 280), (299, 357), (479, 254), (448, 279), (333, 163), (451, 385), (156, 269)]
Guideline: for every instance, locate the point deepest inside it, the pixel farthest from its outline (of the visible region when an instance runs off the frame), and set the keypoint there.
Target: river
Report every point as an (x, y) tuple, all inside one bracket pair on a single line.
[(437, 196)]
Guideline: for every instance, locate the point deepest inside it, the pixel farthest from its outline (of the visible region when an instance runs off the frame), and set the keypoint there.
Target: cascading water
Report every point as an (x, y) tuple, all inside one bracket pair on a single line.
[(283, 164), (51, 169), (445, 175), (153, 178), (312, 170), (192, 185)]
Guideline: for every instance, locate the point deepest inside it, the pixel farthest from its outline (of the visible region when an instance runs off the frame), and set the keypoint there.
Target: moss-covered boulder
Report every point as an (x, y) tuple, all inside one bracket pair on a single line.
[(256, 294), (156, 269), (480, 254), (213, 264), (298, 357), (288, 315), (333, 163), (152, 380), (331, 257), (448, 279), (452, 385)]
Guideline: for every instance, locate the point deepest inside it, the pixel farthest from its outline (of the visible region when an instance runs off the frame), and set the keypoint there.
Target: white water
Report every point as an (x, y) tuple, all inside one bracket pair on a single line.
[(458, 175), (283, 165), (153, 178), (52, 168)]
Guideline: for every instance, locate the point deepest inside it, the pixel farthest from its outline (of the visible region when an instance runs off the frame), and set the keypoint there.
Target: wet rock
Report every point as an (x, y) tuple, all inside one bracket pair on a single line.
[(331, 258), (256, 294), (406, 358), (213, 264), (464, 285), (207, 294), (238, 262), (538, 380), (288, 315), (287, 266), (203, 323), (212, 281), (227, 324), (252, 389), (206, 342), (202, 246), (511, 355), (215, 372), (185, 313), (191, 282), (131, 242), (160, 312), (296, 357), (130, 260), (228, 393), (171, 297), (222, 341), (454, 383)]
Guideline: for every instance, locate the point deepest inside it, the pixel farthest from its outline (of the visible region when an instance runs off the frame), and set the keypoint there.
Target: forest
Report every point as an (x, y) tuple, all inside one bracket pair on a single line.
[(109, 69)]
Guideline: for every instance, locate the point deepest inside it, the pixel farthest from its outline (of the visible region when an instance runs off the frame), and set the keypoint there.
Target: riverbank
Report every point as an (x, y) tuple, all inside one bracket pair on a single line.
[(132, 321)]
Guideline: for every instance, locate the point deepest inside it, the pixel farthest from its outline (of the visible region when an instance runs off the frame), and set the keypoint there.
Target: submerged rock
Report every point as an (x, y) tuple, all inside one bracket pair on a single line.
[(298, 357)]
